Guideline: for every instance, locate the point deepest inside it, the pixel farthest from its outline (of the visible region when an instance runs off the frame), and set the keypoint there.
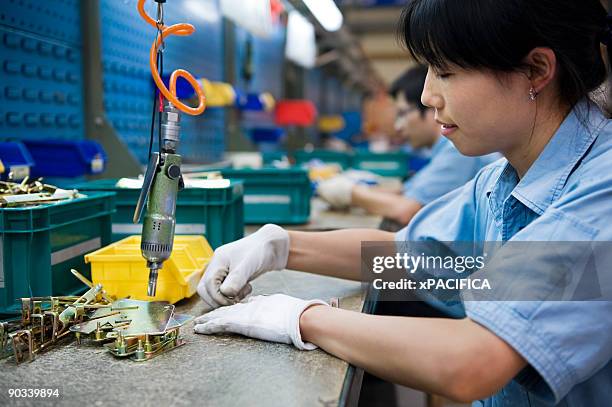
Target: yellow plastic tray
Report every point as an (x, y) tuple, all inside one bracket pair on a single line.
[(123, 272)]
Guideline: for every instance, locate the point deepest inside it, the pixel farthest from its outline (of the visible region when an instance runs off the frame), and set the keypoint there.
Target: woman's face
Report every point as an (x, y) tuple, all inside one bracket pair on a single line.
[(478, 111)]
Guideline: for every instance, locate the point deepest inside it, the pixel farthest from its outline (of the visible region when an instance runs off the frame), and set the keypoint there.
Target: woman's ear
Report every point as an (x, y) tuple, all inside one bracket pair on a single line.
[(543, 67)]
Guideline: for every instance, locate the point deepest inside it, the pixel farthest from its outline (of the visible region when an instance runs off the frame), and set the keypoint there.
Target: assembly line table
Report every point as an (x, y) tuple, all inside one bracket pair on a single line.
[(217, 370), (210, 370), (323, 219)]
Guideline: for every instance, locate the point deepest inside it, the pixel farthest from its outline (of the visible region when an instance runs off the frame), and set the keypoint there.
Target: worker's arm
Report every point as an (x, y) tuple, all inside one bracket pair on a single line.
[(335, 254), (389, 205), (458, 359), (234, 265), (395, 189)]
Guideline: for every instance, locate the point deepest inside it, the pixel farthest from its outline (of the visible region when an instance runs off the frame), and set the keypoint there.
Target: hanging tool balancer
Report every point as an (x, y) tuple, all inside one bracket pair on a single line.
[(163, 178)]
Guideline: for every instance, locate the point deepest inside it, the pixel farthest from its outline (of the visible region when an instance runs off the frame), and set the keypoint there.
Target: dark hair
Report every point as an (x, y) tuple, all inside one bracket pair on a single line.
[(498, 35), (410, 84)]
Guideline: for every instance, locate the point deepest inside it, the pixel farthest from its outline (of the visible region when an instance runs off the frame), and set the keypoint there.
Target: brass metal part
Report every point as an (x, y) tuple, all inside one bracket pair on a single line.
[(133, 348), (76, 310), (55, 305), (5, 346), (82, 278), (36, 307), (3, 334), (90, 326), (120, 344), (54, 323), (46, 320), (23, 347), (148, 345), (178, 320), (148, 318), (89, 284), (138, 330), (140, 352), (31, 192), (38, 326), (25, 311)]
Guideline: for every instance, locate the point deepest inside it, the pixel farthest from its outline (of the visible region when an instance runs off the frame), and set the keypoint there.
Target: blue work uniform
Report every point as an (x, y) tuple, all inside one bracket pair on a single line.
[(566, 195), (447, 170)]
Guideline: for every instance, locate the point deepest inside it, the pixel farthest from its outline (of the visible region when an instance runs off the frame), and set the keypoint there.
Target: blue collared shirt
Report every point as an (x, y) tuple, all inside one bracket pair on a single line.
[(447, 170), (566, 195)]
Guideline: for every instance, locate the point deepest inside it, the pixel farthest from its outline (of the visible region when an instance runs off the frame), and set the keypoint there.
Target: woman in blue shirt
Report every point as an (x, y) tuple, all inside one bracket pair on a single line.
[(504, 76)]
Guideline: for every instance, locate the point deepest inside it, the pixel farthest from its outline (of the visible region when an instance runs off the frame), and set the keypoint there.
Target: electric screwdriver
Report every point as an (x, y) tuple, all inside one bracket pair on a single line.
[(162, 182)]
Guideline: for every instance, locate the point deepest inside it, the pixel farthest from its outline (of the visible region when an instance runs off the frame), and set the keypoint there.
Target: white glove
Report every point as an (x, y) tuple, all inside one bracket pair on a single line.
[(274, 318), (337, 191), (226, 279)]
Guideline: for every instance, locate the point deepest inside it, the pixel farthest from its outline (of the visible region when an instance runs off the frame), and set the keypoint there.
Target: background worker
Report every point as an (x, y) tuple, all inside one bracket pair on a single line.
[(415, 125)]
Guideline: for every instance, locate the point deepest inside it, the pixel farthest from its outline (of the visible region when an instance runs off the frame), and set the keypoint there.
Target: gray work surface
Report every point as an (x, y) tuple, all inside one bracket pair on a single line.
[(221, 370), (322, 218)]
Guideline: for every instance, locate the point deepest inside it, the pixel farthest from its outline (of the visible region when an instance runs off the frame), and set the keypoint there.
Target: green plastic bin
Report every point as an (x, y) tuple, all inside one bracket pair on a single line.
[(395, 164), (343, 159), (274, 195), (217, 213), (39, 246), (268, 157)]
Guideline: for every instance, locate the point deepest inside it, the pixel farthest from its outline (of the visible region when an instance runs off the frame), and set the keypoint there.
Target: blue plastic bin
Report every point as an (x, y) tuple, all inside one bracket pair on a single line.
[(16, 159), (267, 139), (249, 102), (267, 135), (63, 158)]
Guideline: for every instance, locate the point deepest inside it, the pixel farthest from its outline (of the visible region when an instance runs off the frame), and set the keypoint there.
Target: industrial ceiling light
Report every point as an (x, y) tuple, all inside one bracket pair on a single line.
[(326, 12), (301, 44)]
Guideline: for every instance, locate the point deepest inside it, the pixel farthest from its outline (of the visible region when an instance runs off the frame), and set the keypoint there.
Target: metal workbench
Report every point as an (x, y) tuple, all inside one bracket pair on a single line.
[(221, 370), (322, 219)]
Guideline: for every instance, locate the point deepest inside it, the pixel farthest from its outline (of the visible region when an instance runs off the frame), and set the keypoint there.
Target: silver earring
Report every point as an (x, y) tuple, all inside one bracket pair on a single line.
[(532, 94)]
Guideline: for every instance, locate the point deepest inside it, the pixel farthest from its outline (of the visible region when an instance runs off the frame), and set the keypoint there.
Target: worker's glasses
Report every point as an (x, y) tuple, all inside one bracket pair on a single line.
[(402, 113)]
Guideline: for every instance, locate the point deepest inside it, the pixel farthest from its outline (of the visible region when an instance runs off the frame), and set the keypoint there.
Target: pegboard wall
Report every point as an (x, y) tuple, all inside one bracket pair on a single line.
[(354, 100), (312, 91), (41, 82), (334, 96), (40, 70), (312, 85), (268, 61), (128, 89)]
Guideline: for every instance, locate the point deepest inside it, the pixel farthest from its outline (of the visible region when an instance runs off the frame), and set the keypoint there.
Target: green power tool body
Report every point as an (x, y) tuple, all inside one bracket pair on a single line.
[(162, 182)]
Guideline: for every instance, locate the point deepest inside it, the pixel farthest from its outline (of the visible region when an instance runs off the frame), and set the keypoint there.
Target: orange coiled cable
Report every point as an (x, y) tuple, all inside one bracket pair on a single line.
[(181, 30)]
